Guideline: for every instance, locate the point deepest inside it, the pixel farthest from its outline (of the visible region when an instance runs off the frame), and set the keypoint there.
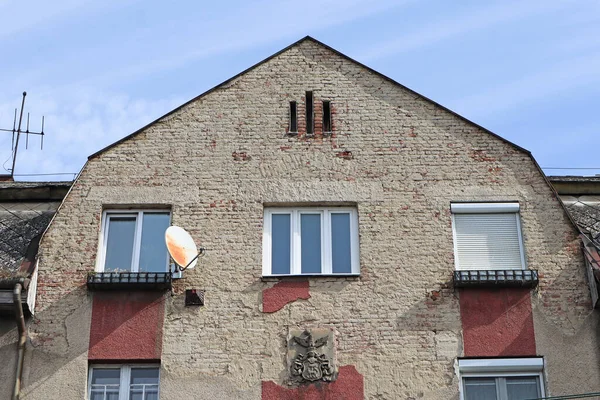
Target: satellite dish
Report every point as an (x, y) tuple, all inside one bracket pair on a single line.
[(181, 247)]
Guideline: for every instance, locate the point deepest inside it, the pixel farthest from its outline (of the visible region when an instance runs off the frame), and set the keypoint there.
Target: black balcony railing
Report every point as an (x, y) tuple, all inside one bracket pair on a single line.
[(129, 280), (496, 278)]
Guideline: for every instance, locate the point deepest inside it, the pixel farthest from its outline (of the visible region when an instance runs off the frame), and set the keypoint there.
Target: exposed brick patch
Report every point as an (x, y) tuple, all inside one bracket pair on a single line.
[(241, 156), (497, 322), (435, 295), (480, 155), (333, 118), (282, 293), (318, 117), (346, 155), (348, 386)]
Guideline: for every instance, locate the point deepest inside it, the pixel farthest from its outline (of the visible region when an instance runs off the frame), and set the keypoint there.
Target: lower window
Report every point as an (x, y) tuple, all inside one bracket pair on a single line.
[(123, 382), (501, 378)]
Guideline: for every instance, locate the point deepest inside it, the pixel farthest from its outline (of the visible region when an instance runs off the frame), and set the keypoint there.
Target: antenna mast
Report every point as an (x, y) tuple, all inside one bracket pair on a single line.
[(16, 130)]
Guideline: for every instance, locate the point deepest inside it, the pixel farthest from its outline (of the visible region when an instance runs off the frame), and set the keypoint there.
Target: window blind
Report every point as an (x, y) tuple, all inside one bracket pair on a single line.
[(487, 241)]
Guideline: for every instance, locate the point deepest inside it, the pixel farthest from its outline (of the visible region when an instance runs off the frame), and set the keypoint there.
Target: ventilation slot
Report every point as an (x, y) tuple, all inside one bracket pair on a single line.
[(326, 116), (293, 117), (309, 114)]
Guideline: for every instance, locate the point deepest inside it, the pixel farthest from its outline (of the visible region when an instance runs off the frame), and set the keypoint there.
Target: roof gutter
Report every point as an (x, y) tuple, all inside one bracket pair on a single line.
[(20, 318)]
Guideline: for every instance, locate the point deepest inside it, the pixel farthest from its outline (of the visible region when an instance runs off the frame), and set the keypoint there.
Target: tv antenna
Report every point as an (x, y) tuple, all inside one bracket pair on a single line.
[(182, 248), (17, 132)]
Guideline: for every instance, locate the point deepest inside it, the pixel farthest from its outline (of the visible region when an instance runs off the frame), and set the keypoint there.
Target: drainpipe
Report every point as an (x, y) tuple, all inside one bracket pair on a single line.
[(22, 338)]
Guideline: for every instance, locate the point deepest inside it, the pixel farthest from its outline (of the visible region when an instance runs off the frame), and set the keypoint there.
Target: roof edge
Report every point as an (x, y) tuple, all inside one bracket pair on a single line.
[(305, 38), (200, 96), (420, 95)]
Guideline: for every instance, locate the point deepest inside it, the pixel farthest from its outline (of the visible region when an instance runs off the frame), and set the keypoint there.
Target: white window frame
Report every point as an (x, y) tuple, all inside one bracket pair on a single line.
[(487, 208), (138, 214), (295, 238), (125, 377), (501, 368)]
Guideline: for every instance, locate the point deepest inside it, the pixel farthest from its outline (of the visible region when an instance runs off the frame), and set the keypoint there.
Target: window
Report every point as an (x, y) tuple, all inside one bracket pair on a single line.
[(487, 236), (293, 117), (311, 241), (501, 378), (134, 241), (326, 116), (309, 113), (123, 382)]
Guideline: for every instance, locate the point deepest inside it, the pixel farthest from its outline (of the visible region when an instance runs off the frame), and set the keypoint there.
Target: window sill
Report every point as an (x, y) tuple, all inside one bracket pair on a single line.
[(269, 278), (143, 281), (496, 278)]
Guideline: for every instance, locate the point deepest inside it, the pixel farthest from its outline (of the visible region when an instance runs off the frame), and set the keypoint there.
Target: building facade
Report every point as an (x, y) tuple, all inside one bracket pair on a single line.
[(361, 241)]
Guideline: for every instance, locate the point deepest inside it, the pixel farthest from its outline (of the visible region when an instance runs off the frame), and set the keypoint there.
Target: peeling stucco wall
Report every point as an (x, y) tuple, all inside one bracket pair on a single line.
[(399, 158)]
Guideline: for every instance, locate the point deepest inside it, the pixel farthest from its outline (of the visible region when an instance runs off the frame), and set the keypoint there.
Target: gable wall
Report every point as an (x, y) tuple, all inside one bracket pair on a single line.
[(216, 162)]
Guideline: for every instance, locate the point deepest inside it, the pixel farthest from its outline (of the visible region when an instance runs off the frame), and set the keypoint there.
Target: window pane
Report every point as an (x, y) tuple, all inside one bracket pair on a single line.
[(144, 393), (144, 384), (105, 383), (98, 394), (480, 389), (106, 376), (340, 243), (522, 388), (136, 394), (144, 376), (310, 235), (119, 244), (153, 251), (280, 243)]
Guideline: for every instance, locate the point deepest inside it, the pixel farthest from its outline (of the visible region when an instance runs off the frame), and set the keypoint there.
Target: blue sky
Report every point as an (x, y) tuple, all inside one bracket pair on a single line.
[(528, 70)]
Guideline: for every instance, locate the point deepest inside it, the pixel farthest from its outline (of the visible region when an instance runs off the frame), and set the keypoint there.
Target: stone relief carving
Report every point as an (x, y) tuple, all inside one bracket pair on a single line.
[(311, 356)]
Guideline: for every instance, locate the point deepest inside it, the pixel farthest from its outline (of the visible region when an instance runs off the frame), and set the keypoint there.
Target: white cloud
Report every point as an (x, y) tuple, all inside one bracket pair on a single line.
[(450, 26), (558, 78), (79, 124), (256, 24)]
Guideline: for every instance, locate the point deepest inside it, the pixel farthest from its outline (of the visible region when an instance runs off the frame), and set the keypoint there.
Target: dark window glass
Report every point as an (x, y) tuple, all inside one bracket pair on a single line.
[(119, 246), (280, 243), (144, 384), (293, 117), (153, 252), (522, 388), (480, 389), (340, 243), (326, 116), (105, 384), (310, 236), (309, 113)]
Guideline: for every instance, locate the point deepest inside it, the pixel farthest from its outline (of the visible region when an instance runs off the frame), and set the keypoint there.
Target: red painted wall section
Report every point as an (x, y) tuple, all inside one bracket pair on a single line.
[(497, 322), (348, 386), (282, 293), (126, 326)]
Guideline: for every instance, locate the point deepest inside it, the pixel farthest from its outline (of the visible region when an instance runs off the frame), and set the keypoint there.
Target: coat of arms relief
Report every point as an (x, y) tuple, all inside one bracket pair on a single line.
[(310, 354)]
